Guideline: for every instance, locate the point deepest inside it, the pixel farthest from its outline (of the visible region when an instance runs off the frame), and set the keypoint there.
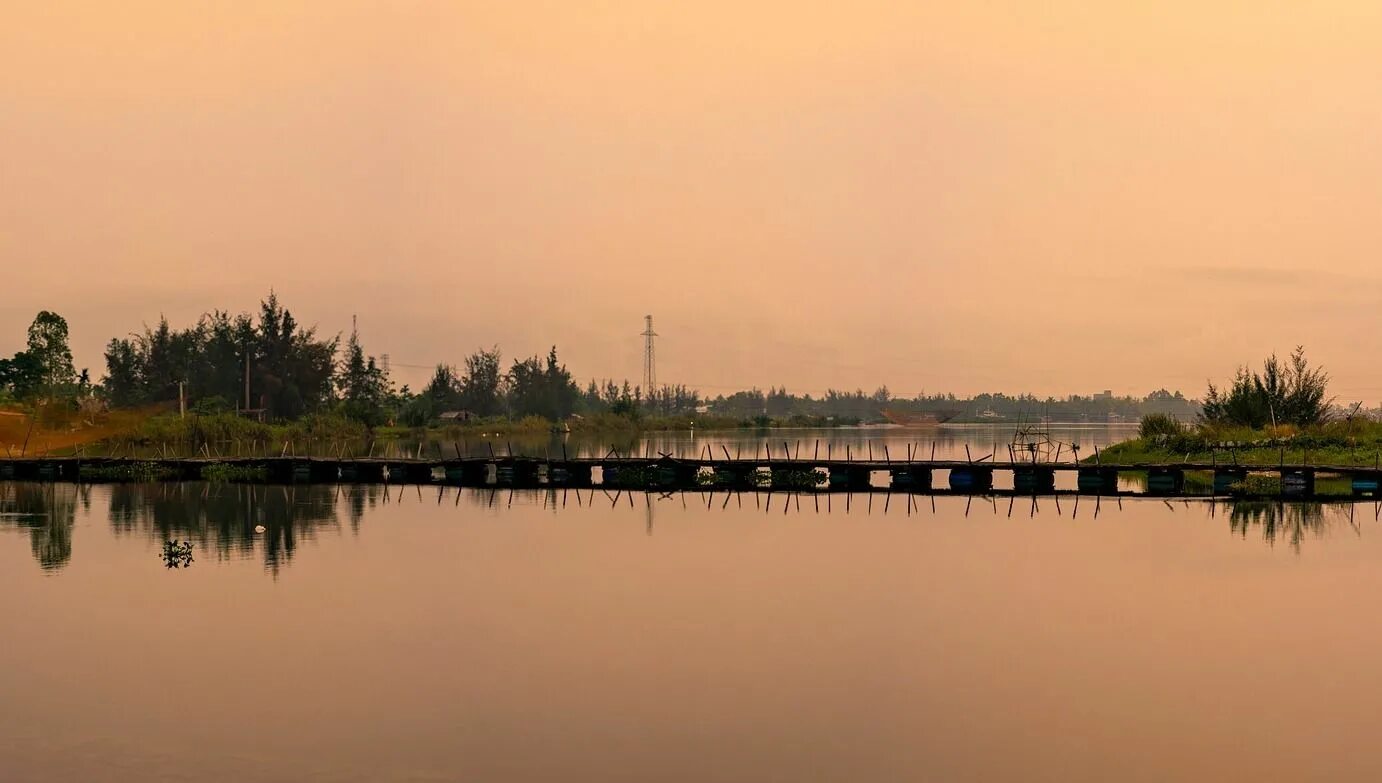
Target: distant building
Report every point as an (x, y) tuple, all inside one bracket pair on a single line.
[(1106, 395), (456, 417)]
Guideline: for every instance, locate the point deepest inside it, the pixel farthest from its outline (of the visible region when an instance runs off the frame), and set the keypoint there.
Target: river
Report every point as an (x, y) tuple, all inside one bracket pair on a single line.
[(370, 633)]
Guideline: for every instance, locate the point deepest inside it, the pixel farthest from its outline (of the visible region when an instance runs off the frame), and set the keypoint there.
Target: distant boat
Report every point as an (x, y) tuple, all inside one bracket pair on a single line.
[(923, 419), (990, 414)]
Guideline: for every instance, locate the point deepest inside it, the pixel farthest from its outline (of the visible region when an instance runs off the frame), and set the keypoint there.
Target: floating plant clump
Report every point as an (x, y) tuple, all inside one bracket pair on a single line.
[(177, 554)]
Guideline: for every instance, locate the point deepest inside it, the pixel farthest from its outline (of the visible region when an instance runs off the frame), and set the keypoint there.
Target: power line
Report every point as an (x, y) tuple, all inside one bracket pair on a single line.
[(649, 357)]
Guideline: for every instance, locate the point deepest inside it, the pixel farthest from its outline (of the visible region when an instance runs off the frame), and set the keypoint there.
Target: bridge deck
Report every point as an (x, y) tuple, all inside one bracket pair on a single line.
[(669, 473)]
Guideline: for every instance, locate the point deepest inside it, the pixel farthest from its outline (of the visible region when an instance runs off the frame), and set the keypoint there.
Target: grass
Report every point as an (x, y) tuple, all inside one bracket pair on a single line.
[(187, 436), (134, 471), (61, 429), (1342, 443), (226, 473)]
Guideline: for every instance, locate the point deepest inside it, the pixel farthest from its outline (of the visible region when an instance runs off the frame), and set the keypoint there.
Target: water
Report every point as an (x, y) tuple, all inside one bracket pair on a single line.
[(368, 633), (950, 442), (876, 442)]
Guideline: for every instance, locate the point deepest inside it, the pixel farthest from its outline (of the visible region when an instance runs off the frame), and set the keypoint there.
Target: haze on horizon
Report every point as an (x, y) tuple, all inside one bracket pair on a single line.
[(962, 197)]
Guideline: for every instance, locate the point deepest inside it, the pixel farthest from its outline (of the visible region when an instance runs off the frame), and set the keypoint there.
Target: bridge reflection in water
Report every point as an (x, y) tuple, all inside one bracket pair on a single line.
[(273, 522)]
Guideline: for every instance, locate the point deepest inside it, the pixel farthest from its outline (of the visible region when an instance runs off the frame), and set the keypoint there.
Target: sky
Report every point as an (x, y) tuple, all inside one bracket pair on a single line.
[(1053, 197)]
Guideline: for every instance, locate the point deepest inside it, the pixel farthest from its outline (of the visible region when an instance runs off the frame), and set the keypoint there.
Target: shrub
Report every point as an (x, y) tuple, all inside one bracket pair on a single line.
[(1288, 392), (417, 412), (1156, 425), (323, 426)]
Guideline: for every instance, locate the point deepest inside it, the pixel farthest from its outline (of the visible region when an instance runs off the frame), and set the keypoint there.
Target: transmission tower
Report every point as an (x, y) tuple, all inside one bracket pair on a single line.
[(649, 357)]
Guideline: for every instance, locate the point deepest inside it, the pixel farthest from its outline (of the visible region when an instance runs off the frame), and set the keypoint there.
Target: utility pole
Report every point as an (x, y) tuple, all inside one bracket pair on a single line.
[(649, 358), (182, 401)]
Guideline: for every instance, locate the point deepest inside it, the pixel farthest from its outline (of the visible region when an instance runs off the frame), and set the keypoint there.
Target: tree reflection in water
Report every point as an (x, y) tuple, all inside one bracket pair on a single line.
[(47, 512), (1289, 521), (223, 518)]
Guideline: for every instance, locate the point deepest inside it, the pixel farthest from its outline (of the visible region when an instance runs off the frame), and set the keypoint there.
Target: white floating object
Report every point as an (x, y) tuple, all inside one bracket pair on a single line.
[(259, 528)]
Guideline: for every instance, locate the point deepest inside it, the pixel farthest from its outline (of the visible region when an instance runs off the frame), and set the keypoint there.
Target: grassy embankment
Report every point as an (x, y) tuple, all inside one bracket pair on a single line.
[(1355, 443), (59, 429), (157, 432), (227, 434)]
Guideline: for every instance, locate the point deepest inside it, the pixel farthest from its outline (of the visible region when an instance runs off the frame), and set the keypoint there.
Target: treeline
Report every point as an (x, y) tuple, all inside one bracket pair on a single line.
[(859, 405), (222, 362), (271, 366), (536, 387)]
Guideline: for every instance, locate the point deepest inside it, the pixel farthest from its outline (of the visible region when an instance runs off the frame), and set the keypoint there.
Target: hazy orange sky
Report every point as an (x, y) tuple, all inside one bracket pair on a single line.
[(1056, 197)]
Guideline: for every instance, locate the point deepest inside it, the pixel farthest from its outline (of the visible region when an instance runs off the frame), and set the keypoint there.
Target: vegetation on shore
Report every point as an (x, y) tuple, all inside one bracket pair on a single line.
[(290, 383), (1278, 415), (217, 432), (134, 471), (1344, 443)]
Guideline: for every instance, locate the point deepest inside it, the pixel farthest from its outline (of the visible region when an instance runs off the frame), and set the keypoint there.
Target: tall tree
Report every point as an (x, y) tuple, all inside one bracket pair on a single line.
[(290, 370), (124, 383), (21, 376), (48, 346), (538, 388), (481, 382), (363, 387), (444, 390)]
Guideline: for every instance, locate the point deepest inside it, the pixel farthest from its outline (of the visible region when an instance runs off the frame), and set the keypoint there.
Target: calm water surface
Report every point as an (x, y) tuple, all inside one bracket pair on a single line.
[(881, 441), (444, 634)]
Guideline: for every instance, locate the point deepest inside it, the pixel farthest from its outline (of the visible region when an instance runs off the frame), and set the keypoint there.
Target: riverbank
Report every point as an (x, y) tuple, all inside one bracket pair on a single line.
[(127, 431), (59, 429), (1341, 443)]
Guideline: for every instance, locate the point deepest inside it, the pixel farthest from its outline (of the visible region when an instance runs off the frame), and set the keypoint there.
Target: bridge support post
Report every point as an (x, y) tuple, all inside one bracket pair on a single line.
[(569, 474), (1225, 478), (1034, 478), (672, 473), (629, 474), (971, 478), (410, 473), (1297, 482), (1098, 480), (323, 471), (513, 472), (1165, 481), (467, 472), (1366, 484), (301, 470), (849, 476), (911, 478)]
